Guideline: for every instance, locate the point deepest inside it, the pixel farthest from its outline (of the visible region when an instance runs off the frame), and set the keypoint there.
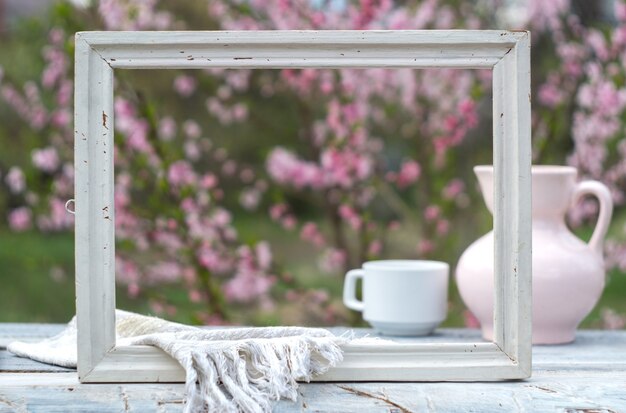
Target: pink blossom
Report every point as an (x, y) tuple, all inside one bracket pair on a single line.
[(551, 95), (318, 296), (224, 92), (208, 181), (240, 112), (57, 219), (15, 180), (61, 118), (124, 110), (277, 211), (28, 107), (20, 219), (133, 290), (289, 221), (453, 189), (609, 99), (185, 85), (135, 15), (46, 160), (164, 272), (443, 227), (467, 107), (261, 185), (192, 129), (192, 150), (263, 255), (250, 281), (195, 296), (451, 123), (334, 121), (245, 286), (250, 198), (190, 275), (391, 176), (64, 93), (425, 247), (351, 216), (137, 137), (38, 118), (31, 198), (333, 260), (545, 14), (167, 128), (128, 272), (432, 212), (220, 154), (217, 109), (394, 226), (157, 307), (229, 168), (172, 224), (180, 173), (170, 241), (56, 36), (134, 129), (409, 173), (470, 320), (285, 168), (616, 255), (311, 233), (469, 112), (13, 98), (247, 175), (375, 247), (292, 295), (597, 42), (64, 184), (57, 65), (620, 10), (212, 260), (619, 39), (221, 217), (344, 167), (611, 320)]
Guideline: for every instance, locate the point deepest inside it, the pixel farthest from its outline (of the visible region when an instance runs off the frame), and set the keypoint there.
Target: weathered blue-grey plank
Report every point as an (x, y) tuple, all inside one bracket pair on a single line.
[(547, 392), (588, 375), (26, 332), (12, 363)]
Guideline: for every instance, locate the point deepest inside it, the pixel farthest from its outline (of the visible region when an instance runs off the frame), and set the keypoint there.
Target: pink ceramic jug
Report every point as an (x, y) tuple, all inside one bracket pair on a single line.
[(568, 274)]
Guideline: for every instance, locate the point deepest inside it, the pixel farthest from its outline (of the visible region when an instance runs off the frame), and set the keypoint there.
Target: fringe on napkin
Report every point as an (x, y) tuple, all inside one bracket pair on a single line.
[(227, 370)]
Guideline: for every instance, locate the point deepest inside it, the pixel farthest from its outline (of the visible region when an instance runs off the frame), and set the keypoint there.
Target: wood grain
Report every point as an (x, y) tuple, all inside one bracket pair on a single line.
[(588, 374), (95, 212)]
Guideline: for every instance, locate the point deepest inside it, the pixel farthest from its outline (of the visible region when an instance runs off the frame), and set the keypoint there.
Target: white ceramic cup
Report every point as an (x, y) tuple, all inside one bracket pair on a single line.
[(400, 297)]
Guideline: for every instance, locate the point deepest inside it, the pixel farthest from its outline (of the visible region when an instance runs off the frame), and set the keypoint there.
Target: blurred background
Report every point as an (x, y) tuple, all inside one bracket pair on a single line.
[(243, 196)]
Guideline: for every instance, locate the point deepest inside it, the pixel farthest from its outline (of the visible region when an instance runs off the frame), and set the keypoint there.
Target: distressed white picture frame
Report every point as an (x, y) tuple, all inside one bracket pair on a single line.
[(506, 52)]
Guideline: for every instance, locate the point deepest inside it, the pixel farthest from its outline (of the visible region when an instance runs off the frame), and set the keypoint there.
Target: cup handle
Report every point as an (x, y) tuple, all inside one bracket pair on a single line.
[(600, 191), (349, 290)]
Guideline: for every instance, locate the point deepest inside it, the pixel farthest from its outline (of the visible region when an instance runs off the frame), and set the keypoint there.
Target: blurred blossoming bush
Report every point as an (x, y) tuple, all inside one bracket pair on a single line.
[(218, 172)]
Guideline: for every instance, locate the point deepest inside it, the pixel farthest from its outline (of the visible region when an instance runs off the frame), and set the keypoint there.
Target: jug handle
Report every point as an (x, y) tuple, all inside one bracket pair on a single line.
[(600, 191)]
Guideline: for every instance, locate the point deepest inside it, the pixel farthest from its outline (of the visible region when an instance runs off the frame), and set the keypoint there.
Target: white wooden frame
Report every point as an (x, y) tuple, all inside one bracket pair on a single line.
[(507, 53)]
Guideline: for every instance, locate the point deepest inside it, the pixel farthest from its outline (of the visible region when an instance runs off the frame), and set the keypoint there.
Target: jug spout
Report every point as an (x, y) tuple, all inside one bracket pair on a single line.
[(554, 190)]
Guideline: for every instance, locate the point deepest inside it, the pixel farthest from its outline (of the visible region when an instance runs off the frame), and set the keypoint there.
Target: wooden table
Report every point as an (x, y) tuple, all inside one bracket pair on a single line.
[(586, 376)]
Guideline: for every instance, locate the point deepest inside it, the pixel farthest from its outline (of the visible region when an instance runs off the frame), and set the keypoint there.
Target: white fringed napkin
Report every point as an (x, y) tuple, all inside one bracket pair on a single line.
[(227, 370)]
